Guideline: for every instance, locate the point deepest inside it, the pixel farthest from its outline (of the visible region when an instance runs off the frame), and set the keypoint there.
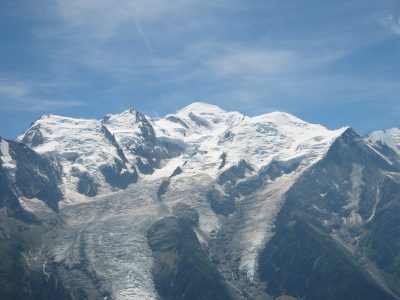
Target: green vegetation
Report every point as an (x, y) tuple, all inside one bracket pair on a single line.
[(301, 261), (17, 280)]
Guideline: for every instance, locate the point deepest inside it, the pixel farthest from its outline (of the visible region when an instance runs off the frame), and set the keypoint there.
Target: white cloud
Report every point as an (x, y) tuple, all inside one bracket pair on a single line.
[(25, 96), (223, 60), (183, 44), (13, 90), (38, 104), (392, 23), (104, 19), (257, 62), (123, 39)]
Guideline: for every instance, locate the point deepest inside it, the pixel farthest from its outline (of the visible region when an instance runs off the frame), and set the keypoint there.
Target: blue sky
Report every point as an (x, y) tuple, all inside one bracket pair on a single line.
[(329, 62)]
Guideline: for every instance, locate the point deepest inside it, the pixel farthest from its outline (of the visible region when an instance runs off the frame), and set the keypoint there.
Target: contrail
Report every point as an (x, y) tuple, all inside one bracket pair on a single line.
[(149, 47), (139, 29)]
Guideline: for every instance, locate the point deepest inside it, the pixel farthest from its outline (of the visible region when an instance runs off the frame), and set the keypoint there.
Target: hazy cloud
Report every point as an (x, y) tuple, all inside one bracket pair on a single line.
[(392, 23), (26, 96), (14, 90)]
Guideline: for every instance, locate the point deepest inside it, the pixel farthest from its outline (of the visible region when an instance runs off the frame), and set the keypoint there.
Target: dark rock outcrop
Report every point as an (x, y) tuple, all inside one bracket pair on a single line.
[(337, 234), (182, 270)]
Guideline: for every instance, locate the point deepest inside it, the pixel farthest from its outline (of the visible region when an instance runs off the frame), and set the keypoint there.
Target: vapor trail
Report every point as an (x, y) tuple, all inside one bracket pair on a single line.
[(149, 47)]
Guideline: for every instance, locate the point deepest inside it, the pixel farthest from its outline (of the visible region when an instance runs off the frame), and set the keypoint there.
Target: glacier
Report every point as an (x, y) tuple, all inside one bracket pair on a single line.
[(106, 232)]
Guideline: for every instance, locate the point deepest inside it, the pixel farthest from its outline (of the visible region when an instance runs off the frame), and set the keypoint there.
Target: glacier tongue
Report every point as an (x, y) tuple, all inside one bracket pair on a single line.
[(107, 239), (108, 235), (108, 232)]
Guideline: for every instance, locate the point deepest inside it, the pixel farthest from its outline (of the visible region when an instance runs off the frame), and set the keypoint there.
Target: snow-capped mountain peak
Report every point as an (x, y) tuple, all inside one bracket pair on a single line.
[(198, 135), (127, 118), (234, 173), (201, 107), (200, 116)]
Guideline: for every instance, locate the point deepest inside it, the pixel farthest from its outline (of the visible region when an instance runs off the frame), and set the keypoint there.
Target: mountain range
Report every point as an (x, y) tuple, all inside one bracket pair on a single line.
[(201, 204)]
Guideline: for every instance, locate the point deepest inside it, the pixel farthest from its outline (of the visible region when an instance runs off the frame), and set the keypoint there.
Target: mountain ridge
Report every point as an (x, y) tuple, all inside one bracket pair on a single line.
[(127, 132), (122, 174)]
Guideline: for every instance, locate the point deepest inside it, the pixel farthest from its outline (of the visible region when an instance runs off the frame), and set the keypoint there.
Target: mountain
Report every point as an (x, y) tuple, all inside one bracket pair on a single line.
[(343, 211), (99, 156), (26, 175), (203, 204), (29, 189)]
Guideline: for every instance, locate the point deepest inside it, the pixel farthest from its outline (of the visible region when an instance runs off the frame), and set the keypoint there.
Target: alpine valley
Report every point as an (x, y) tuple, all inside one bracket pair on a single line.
[(201, 204)]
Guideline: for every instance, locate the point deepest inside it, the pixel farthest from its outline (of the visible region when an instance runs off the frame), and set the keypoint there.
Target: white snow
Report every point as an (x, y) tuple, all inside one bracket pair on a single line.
[(389, 137), (5, 156), (371, 146), (125, 128), (354, 196), (34, 205), (79, 145), (113, 225), (261, 209), (258, 140), (377, 200)]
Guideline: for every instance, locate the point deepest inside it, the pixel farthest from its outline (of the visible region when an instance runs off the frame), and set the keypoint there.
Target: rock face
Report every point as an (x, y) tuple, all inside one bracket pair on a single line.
[(18, 280), (24, 173), (182, 269), (206, 204), (334, 215)]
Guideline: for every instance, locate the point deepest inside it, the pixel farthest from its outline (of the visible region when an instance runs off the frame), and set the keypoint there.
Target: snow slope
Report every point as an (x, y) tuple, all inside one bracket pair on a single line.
[(6, 160), (79, 145), (210, 132), (126, 129)]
